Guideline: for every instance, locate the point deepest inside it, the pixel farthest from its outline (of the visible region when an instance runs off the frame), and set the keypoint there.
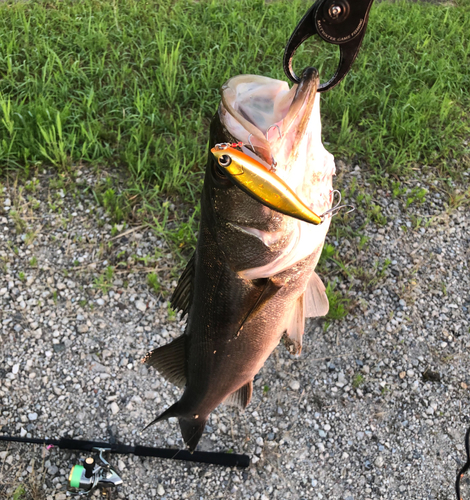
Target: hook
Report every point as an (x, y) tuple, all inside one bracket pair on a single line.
[(278, 129), (273, 161), (336, 209)]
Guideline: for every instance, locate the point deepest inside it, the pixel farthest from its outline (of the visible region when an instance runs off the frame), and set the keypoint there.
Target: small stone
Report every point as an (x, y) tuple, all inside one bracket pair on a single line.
[(53, 470), (294, 385), (82, 328), (141, 306), (402, 375), (463, 385), (23, 432), (379, 461), (100, 302), (15, 369), (114, 408), (32, 416), (160, 490)]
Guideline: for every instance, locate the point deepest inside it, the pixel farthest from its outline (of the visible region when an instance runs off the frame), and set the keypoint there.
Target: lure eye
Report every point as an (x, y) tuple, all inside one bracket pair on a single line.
[(225, 160)]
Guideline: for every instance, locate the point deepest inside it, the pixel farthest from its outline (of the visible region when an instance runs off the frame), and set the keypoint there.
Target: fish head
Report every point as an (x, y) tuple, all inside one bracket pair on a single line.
[(280, 126)]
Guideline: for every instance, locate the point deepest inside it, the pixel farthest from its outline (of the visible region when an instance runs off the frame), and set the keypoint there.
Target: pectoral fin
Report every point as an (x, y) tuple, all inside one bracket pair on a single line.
[(316, 300), (240, 398), (169, 360)]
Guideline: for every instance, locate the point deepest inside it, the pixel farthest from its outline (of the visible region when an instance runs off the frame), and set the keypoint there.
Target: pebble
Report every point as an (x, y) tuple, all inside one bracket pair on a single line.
[(294, 385), (357, 413), (141, 306), (32, 416)]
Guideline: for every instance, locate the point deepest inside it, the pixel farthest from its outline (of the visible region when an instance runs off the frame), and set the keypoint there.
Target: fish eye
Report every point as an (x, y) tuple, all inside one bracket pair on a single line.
[(225, 160)]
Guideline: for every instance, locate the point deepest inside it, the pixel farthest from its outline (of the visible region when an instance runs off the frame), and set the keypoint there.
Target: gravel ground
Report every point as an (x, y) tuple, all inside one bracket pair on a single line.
[(376, 406)]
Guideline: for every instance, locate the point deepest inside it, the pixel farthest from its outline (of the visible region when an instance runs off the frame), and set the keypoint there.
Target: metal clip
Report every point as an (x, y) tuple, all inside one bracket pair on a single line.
[(339, 22)]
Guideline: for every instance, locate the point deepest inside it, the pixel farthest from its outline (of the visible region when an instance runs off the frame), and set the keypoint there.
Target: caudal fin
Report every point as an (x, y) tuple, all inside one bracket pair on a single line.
[(192, 430)]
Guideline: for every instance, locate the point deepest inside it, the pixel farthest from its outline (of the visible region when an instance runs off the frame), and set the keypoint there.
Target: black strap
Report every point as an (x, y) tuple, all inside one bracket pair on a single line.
[(225, 459)]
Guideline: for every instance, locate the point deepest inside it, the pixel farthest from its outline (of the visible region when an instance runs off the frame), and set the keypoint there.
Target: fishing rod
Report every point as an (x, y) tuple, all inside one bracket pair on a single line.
[(97, 472)]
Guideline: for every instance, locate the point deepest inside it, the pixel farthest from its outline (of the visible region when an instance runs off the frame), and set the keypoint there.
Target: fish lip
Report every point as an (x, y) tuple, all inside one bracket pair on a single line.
[(303, 102)]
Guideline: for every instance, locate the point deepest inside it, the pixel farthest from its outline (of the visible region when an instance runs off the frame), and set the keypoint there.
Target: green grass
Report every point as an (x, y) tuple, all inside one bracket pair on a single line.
[(134, 84)]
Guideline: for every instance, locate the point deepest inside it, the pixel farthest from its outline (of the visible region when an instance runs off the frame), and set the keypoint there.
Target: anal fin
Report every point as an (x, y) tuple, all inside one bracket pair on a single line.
[(241, 397), (316, 300), (169, 360), (295, 326)]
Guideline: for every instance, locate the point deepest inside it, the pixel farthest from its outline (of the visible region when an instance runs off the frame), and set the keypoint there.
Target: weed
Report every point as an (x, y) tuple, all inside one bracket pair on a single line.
[(104, 281), (153, 283), (358, 380), (171, 313), (19, 492), (113, 204), (417, 195), (30, 236), (20, 224), (339, 304), (265, 389), (22, 276)]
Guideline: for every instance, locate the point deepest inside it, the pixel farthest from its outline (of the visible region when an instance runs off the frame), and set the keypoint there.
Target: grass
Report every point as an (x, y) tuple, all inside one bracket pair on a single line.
[(132, 84)]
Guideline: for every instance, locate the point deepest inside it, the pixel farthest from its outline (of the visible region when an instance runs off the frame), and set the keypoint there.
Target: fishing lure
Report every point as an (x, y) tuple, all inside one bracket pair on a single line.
[(262, 183)]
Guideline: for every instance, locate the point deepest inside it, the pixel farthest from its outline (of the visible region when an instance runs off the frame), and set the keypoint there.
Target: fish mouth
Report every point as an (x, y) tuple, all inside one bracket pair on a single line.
[(267, 116)]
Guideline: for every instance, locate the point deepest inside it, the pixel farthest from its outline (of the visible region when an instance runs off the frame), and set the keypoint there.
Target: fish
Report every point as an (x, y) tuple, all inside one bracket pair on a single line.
[(251, 280)]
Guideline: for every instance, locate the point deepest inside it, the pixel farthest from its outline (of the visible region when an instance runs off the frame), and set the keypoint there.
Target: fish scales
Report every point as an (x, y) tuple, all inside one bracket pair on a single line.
[(251, 279)]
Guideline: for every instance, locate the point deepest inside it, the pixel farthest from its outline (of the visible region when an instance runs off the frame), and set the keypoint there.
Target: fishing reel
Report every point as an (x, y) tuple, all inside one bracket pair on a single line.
[(94, 472)]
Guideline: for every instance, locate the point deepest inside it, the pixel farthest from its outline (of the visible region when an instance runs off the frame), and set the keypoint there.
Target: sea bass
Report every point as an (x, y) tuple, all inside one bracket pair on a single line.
[(252, 278)]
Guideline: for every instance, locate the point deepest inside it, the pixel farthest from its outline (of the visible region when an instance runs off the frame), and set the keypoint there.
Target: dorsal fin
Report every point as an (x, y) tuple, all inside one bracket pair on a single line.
[(169, 360), (295, 327), (240, 397), (182, 296), (316, 300)]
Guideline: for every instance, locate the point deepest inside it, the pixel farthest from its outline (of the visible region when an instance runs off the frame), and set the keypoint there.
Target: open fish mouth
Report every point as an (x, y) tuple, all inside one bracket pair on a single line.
[(282, 125)]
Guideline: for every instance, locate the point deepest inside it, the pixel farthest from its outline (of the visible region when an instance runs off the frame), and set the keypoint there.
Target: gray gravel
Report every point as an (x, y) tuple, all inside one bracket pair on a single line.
[(376, 407)]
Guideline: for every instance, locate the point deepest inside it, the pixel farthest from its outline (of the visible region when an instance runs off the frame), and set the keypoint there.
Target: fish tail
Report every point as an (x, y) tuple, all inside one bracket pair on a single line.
[(192, 430), (172, 411)]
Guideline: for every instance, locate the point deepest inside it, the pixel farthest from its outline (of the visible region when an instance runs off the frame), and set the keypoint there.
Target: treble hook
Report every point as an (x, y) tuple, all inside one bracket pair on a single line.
[(278, 129), (273, 161), (336, 209)]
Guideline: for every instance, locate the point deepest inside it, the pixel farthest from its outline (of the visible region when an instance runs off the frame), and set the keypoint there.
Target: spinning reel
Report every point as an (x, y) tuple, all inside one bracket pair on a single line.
[(95, 472)]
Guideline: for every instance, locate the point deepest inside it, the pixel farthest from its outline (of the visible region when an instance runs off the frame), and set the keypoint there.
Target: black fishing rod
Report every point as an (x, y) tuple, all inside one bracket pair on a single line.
[(206, 457), (465, 468), (96, 472)]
